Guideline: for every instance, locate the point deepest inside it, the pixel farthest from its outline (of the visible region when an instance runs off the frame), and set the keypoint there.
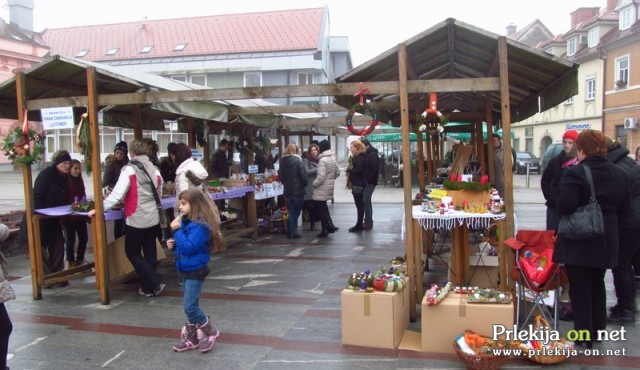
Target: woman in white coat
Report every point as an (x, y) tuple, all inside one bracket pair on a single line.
[(323, 185)]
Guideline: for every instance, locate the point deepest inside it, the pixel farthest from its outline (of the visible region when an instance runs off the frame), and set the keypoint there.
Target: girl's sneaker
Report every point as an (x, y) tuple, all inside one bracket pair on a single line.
[(188, 338)]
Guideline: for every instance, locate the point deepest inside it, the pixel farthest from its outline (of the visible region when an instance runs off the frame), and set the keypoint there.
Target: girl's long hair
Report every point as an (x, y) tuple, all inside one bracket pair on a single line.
[(200, 207)]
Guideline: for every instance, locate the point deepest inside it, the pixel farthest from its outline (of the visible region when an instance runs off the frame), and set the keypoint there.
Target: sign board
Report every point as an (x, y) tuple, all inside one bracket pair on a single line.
[(196, 154), (57, 118), (253, 168), (577, 126)]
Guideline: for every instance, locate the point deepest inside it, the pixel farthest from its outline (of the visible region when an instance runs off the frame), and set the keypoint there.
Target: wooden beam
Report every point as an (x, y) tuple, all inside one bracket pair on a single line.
[(29, 203), (376, 88), (506, 133), (101, 266), (413, 261)]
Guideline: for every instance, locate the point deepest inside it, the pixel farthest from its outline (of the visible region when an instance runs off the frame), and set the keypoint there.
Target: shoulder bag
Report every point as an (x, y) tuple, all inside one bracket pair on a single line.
[(585, 222), (164, 223)]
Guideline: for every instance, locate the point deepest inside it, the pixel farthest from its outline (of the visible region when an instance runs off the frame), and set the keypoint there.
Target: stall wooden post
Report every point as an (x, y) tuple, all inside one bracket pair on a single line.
[(101, 265), (506, 133), (27, 181), (420, 158), (413, 263), (251, 209)]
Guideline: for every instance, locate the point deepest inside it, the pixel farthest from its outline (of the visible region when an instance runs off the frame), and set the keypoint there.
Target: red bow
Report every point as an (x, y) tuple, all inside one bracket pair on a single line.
[(361, 92)]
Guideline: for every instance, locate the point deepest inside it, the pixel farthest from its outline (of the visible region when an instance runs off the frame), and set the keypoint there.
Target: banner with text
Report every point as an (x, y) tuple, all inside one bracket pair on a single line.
[(57, 118)]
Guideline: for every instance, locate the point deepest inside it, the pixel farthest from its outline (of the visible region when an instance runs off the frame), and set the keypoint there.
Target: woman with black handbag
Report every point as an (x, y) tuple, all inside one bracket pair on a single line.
[(358, 180), (139, 183), (586, 260)]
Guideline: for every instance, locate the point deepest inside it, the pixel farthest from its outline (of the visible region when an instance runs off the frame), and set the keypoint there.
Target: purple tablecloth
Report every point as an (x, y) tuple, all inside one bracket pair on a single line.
[(168, 202), (66, 210), (119, 214)]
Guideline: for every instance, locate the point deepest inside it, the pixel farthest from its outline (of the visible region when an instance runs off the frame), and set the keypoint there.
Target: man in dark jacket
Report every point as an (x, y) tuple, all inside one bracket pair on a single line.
[(293, 176), (629, 243), (372, 171), (50, 190), (550, 182)]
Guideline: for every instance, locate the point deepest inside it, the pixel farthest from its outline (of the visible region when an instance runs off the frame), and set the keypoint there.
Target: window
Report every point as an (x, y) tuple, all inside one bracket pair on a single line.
[(199, 80), (622, 71), (594, 37), (305, 79), (252, 79), (146, 49), (528, 131), (572, 45), (82, 53), (621, 135), (180, 47), (528, 144), (516, 144), (625, 18), (590, 93), (112, 51)]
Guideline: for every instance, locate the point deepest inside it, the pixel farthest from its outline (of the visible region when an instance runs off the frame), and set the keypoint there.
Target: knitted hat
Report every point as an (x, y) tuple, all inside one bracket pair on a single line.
[(324, 145), (62, 157), (570, 135), (121, 146)]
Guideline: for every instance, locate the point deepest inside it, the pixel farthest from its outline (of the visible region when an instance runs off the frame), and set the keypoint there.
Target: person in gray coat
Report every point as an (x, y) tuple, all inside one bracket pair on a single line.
[(324, 184), (587, 260)]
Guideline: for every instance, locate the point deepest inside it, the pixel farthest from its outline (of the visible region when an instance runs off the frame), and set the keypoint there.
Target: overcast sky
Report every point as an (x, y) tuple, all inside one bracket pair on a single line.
[(372, 26)]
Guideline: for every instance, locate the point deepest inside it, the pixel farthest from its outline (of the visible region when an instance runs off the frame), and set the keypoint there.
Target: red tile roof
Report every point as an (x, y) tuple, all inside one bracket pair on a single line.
[(286, 30)]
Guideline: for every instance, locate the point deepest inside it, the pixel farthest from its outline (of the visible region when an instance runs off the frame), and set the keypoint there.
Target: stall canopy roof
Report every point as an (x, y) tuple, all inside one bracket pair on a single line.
[(455, 50), (62, 77)]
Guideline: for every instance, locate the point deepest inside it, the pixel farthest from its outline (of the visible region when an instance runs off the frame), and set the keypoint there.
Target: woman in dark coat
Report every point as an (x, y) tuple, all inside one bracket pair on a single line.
[(294, 180), (358, 180), (629, 228), (587, 260), (50, 190)]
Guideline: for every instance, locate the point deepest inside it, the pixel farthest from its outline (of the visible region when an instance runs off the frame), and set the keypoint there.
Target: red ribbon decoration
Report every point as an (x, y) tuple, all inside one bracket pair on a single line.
[(361, 92)]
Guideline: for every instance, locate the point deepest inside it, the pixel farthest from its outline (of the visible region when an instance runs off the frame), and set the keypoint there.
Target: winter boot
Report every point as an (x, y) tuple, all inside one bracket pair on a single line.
[(188, 338), (207, 336)]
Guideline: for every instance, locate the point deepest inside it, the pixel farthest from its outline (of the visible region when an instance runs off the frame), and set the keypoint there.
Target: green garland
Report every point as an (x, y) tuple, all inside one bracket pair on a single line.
[(466, 185), (15, 143)]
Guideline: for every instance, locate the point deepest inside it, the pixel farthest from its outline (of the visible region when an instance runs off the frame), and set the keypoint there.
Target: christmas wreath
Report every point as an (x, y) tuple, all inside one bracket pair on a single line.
[(17, 145), (367, 110)]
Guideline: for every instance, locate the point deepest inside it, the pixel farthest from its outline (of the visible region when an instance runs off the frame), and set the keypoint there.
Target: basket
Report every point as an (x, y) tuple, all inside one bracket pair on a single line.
[(232, 183), (550, 359), (479, 361)]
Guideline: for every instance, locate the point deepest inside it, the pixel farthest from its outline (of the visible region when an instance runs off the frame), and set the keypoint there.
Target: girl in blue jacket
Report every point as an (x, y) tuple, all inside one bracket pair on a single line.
[(192, 240)]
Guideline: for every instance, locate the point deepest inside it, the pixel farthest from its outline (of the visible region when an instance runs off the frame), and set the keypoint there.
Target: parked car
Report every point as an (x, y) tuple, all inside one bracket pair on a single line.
[(527, 158), (553, 150)]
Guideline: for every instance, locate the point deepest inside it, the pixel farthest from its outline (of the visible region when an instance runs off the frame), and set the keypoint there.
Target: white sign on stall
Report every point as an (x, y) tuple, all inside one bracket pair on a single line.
[(253, 168), (197, 154), (57, 118)]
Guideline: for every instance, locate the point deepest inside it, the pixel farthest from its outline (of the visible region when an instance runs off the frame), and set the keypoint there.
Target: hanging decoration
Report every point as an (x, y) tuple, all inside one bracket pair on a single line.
[(364, 108), (18, 145), (83, 142), (433, 109)]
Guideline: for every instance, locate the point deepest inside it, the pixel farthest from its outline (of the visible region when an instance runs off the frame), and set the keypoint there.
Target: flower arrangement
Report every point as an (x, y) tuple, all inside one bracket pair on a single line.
[(435, 294), (17, 146), (82, 205), (467, 185)]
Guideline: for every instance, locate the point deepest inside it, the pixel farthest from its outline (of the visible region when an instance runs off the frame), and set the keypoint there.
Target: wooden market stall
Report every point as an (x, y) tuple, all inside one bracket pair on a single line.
[(475, 75)]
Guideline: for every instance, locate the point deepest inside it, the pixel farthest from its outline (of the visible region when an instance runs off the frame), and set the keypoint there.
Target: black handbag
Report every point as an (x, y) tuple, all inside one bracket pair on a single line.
[(167, 233), (585, 222), (357, 190)]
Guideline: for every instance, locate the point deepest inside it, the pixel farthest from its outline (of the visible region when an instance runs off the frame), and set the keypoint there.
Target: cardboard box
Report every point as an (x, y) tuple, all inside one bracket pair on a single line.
[(484, 276), (375, 319), (443, 322)]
